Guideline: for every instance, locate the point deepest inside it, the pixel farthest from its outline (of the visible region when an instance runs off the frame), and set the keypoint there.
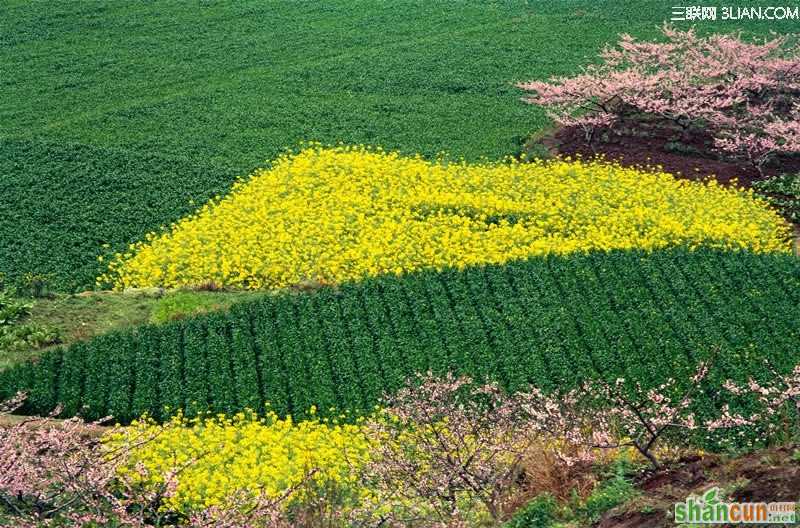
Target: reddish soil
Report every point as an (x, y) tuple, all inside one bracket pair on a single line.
[(694, 161), (769, 476)]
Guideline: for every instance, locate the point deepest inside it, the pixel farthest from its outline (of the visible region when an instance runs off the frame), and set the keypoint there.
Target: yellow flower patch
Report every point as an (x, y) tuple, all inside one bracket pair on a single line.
[(210, 461), (336, 214)]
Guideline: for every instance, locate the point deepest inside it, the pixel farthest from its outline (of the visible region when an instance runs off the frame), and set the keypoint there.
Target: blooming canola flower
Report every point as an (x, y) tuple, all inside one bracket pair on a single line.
[(345, 213)]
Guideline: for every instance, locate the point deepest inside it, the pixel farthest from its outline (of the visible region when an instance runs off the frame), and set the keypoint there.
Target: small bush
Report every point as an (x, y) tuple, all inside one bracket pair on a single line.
[(36, 285), (539, 513), (783, 192), (608, 495)]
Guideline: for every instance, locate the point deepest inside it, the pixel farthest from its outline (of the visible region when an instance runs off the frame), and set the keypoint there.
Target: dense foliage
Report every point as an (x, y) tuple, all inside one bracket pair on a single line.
[(336, 214), (783, 192), (115, 116), (552, 321)]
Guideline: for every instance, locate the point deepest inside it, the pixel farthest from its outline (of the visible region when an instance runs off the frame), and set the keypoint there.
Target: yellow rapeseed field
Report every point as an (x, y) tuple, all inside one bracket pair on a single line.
[(212, 459), (336, 214)]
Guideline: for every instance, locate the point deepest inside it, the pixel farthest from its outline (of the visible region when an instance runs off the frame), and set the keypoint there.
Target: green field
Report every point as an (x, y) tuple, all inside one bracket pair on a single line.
[(549, 321), (393, 237), (116, 114)]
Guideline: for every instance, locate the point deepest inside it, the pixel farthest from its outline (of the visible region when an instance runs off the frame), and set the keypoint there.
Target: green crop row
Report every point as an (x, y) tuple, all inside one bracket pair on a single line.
[(550, 321)]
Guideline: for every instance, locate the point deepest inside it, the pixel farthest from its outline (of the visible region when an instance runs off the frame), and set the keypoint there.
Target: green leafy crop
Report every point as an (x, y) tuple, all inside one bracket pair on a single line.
[(551, 321)]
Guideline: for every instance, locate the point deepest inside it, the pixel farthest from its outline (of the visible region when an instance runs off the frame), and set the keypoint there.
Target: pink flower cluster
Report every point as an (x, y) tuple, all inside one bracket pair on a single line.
[(772, 398), (608, 415), (743, 94)]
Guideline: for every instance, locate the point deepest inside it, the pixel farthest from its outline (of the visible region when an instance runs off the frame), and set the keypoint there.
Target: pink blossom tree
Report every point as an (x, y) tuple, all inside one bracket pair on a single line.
[(446, 449), (739, 92), (613, 415)]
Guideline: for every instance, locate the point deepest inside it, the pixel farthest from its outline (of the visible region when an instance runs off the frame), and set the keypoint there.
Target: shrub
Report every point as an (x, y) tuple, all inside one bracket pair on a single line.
[(783, 192), (539, 513), (36, 285), (607, 495), (744, 94)]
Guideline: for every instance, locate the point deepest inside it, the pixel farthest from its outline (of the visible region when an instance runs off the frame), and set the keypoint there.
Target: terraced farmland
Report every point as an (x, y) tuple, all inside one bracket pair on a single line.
[(551, 322), (243, 229)]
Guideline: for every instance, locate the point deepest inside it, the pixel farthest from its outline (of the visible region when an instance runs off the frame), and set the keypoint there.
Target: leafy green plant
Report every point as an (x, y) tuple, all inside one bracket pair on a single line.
[(16, 334), (607, 495), (541, 512), (27, 336), (783, 192), (12, 309)]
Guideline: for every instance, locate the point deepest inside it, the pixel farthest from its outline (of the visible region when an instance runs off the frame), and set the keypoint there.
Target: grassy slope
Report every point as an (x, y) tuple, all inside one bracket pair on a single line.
[(548, 321), (83, 316), (116, 114)]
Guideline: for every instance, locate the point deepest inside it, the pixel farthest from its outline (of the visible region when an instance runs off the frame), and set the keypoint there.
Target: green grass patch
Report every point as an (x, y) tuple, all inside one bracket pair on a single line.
[(116, 115), (550, 321), (608, 494), (541, 512), (181, 304)]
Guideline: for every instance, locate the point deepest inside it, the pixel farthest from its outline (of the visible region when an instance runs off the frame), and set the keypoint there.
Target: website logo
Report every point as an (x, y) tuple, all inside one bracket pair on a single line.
[(709, 508)]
